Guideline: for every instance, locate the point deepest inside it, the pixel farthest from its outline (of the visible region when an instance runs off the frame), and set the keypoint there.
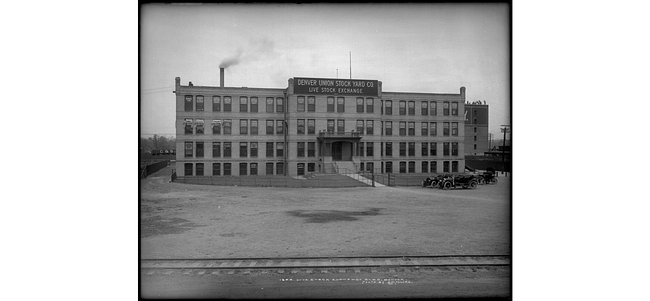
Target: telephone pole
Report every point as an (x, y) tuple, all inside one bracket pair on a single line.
[(505, 129)]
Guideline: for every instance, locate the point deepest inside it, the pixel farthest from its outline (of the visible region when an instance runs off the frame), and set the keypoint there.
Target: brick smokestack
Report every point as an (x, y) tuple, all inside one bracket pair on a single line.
[(221, 77)]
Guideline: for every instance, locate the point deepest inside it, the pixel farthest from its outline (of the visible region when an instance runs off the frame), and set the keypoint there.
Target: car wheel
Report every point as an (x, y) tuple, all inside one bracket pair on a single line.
[(494, 181), (473, 184), (446, 186)]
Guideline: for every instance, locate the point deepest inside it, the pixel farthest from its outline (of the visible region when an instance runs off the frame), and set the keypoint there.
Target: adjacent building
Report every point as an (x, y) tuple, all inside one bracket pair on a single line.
[(317, 125), (476, 128)]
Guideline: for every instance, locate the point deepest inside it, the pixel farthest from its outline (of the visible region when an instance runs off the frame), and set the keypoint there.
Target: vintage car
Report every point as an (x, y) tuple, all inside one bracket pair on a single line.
[(457, 181), (434, 182), (488, 177)]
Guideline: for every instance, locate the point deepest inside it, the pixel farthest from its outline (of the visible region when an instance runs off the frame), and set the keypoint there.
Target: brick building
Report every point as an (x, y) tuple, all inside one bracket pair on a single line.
[(316, 125), (476, 128)]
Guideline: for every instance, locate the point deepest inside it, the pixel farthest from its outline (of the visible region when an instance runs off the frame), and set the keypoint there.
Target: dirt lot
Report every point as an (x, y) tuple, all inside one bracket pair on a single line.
[(199, 221)]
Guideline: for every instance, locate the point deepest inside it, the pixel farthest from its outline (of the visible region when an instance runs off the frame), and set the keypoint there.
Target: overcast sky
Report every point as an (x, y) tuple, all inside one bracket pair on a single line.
[(434, 48)]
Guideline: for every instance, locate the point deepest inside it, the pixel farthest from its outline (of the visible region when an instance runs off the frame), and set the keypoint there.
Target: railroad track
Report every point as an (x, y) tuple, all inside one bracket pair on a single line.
[(323, 264)]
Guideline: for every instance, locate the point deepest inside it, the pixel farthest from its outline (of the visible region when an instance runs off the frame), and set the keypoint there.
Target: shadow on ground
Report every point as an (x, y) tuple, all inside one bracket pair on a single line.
[(326, 216)]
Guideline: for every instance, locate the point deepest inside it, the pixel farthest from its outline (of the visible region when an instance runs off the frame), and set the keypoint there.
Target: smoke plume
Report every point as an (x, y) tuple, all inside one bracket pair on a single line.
[(257, 49)]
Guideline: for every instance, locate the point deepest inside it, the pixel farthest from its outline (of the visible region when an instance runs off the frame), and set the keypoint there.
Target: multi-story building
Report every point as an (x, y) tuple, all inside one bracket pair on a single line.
[(313, 123), (476, 128)]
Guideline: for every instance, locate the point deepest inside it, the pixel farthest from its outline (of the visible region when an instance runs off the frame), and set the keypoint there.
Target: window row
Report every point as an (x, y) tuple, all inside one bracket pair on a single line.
[(246, 149), (224, 127), (224, 104), (408, 149), (426, 108), (426, 128), (225, 169), (425, 167)]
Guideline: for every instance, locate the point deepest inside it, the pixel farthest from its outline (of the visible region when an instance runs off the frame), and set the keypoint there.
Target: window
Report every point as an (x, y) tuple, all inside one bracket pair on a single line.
[(243, 104), (311, 126), (227, 103), (474, 129), (199, 149), (433, 108), (330, 104), (227, 149), (301, 103), (311, 149), (340, 126), (474, 138), (269, 127), (199, 127), (216, 103), (425, 166), (445, 128), (243, 127), (411, 107), (199, 169), (189, 103), (389, 128), (253, 149), (454, 109), (389, 108), (269, 149), (474, 146), (254, 104), (445, 149), (279, 105), (360, 152), (402, 167), (402, 108), (402, 128), (454, 128), (425, 148), (370, 166), (424, 108), (216, 169), (253, 169), (411, 166), (189, 169), (454, 148), (269, 104), (216, 127), (311, 167), (227, 127), (340, 104), (433, 166), (279, 149), (279, 168), (411, 128), (360, 126), (370, 127), (359, 104), (216, 149), (243, 149), (370, 105), (243, 169), (445, 108), (454, 166), (279, 127), (199, 105), (330, 125), (424, 130), (311, 104), (269, 168), (301, 149), (189, 149), (254, 127), (301, 127), (370, 149), (402, 149), (301, 169), (433, 128), (411, 149), (389, 149), (433, 149), (188, 126), (226, 169)]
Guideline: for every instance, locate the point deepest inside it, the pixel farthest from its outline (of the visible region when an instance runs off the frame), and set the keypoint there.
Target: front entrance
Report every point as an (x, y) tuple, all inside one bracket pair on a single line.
[(342, 151)]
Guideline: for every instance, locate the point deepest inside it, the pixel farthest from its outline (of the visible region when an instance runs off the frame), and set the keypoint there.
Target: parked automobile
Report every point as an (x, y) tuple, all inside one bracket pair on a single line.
[(455, 181), (488, 177)]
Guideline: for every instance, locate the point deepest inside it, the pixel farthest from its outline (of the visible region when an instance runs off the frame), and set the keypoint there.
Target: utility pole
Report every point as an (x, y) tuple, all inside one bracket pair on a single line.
[(505, 130)]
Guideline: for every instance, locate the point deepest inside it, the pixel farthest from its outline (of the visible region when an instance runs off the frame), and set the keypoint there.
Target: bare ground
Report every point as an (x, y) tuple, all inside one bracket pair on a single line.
[(199, 221)]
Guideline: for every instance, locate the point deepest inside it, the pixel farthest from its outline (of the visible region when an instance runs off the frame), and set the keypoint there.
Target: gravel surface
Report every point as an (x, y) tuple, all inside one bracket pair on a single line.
[(202, 221)]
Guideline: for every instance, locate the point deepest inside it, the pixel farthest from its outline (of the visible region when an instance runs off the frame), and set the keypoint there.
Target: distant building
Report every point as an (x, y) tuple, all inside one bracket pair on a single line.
[(317, 125), (477, 135)]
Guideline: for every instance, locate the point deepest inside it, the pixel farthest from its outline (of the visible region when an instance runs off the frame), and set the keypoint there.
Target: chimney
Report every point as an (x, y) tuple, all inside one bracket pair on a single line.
[(221, 73)]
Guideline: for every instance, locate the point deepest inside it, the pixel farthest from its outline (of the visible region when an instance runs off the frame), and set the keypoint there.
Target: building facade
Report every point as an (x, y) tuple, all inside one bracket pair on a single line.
[(315, 124), (477, 136)]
